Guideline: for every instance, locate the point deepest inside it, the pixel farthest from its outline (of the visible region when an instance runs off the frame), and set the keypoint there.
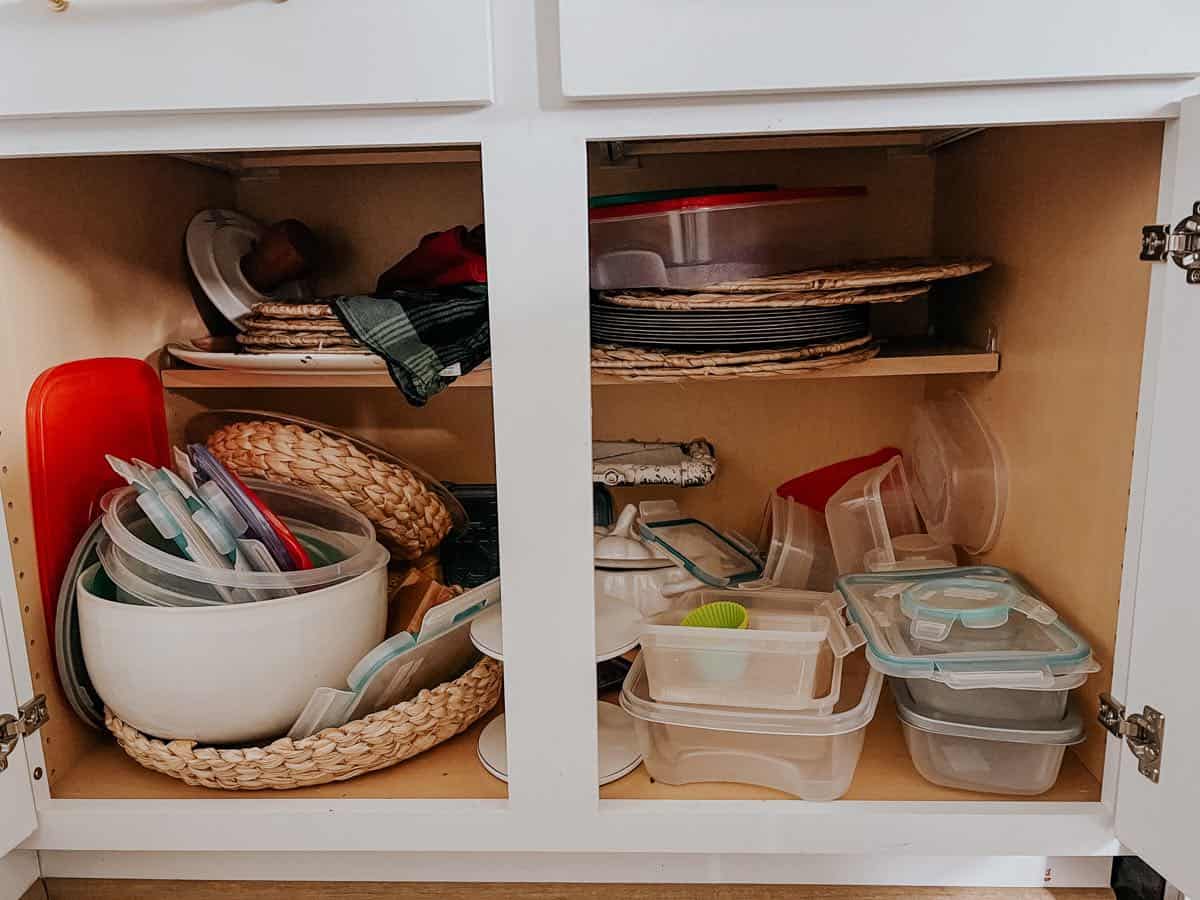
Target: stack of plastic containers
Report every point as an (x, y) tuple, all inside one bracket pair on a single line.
[(981, 670), (773, 704)]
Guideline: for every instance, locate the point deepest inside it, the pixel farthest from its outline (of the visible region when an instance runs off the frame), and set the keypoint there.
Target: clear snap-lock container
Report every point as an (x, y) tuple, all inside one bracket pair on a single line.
[(655, 241), (799, 554), (789, 657), (874, 526), (969, 642), (810, 756), (977, 753)]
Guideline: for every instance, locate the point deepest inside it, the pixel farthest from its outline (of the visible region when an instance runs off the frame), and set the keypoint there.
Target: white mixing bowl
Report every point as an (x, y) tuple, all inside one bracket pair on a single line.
[(230, 674)]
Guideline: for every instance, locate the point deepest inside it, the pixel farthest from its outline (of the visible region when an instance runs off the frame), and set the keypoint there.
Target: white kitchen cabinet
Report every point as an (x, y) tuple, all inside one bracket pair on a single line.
[(680, 48), (1095, 369), (108, 56)]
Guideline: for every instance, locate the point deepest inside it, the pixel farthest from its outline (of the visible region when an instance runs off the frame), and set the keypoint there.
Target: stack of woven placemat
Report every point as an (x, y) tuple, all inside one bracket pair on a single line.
[(296, 328)]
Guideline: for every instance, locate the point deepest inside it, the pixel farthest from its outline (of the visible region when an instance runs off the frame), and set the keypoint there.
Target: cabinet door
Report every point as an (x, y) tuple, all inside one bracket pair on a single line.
[(630, 48), (1158, 821), (17, 817), (132, 56)]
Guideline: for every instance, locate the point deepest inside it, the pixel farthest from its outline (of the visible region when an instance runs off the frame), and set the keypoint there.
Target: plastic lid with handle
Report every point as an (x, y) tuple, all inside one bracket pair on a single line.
[(935, 606)]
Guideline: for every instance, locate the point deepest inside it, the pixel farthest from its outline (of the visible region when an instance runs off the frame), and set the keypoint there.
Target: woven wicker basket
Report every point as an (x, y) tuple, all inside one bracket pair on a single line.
[(409, 517), (380, 740)]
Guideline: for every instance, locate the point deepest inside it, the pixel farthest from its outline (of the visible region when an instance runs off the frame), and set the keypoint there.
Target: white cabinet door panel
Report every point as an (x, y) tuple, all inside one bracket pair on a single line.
[(17, 816), (630, 48), (1159, 821), (128, 56)]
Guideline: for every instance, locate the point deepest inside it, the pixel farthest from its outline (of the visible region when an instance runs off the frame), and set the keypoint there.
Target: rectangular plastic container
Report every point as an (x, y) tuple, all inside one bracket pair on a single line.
[(812, 757), (997, 704), (691, 241), (976, 754), (799, 553), (789, 658)]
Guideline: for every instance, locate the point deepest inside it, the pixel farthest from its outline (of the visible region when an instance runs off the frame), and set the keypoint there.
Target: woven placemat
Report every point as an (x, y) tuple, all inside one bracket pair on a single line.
[(664, 299), (272, 310), (868, 273), (297, 340), (607, 356), (742, 370), (262, 325), (377, 741)]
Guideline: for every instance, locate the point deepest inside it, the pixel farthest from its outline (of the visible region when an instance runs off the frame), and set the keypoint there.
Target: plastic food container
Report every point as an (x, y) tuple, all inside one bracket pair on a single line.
[(810, 756), (790, 656), (874, 527), (691, 241), (229, 673), (800, 555), (979, 754), (332, 528), (972, 641), (959, 475)]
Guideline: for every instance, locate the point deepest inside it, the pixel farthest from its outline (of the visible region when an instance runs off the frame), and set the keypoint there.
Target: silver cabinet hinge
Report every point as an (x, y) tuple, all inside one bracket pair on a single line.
[(29, 718), (1143, 733), (1180, 244)]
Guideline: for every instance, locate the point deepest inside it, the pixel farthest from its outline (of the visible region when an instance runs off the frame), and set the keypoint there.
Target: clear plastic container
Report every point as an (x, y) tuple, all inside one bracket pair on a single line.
[(688, 242), (800, 544), (997, 704), (959, 474), (978, 754), (873, 525), (790, 656), (946, 626), (314, 517), (810, 756)]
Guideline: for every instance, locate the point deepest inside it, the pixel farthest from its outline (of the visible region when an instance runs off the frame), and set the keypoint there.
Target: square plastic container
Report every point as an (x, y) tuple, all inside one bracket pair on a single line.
[(691, 241), (799, 555), (977, 754), (959, 474), (874, 527), (997, 704), (789, 658), (810, 756)]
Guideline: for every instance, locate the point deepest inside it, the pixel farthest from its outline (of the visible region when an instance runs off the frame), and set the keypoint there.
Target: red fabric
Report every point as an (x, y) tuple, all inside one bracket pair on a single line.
[(444, 258), (814, 489)]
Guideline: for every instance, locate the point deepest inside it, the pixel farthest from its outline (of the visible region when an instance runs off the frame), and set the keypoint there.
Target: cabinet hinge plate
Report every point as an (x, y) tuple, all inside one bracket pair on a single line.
[(1180, 244), (29, 718), (1143, 733)]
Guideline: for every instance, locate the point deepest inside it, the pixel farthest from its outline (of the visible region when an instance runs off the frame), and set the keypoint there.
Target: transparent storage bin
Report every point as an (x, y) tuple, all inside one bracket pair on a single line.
[(977, 754), (799, 553), (874, 527), (810, 756), (790, 656), (688, 242), (997, 704)]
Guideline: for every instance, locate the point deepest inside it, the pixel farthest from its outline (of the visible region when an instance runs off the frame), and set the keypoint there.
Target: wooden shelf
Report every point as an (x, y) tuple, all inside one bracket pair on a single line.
[(893, 361)]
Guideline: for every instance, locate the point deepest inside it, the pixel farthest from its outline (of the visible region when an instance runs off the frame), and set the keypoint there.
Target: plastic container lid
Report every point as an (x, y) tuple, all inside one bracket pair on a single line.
[(935, 606), (1025, 651), (703, 551), (635, 700), (1061, 732), (959, 475), (738, 198), (605, 200), (305, 511), (72, 669)]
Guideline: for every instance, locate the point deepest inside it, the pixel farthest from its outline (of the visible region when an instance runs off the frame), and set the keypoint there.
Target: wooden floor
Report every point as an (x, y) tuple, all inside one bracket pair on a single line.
[(97, 889)]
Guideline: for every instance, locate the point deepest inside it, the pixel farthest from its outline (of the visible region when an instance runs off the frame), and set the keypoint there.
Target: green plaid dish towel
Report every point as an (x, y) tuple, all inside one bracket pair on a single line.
[(421, 333)]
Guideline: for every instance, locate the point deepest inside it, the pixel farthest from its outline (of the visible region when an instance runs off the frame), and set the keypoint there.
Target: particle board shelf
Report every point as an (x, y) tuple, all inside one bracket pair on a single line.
[(899, 360)]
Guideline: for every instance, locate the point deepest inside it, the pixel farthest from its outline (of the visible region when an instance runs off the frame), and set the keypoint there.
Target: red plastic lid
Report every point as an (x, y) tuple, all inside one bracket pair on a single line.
[(740, 199), (75, 414), (813, 489)]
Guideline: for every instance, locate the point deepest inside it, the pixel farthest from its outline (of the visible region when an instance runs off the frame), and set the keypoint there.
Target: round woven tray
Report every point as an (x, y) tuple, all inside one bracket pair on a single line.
[(380, 740), (271, 310), (297, 340), (606, 356), (711, 366), (651, 299), (869, 273), (262, 325), (408, 517)]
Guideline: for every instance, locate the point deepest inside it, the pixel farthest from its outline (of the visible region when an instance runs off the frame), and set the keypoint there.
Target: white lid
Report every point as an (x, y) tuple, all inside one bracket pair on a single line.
[(959, 475)]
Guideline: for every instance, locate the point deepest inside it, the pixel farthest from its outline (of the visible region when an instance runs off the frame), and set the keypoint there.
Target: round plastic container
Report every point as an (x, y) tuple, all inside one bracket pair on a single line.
[(230, 673), (722, 235), (313, 516), (809, 756), (977, 754)]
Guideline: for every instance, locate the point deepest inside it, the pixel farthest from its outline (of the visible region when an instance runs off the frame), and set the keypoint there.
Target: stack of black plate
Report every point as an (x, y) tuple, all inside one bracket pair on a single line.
[(713, 329)]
